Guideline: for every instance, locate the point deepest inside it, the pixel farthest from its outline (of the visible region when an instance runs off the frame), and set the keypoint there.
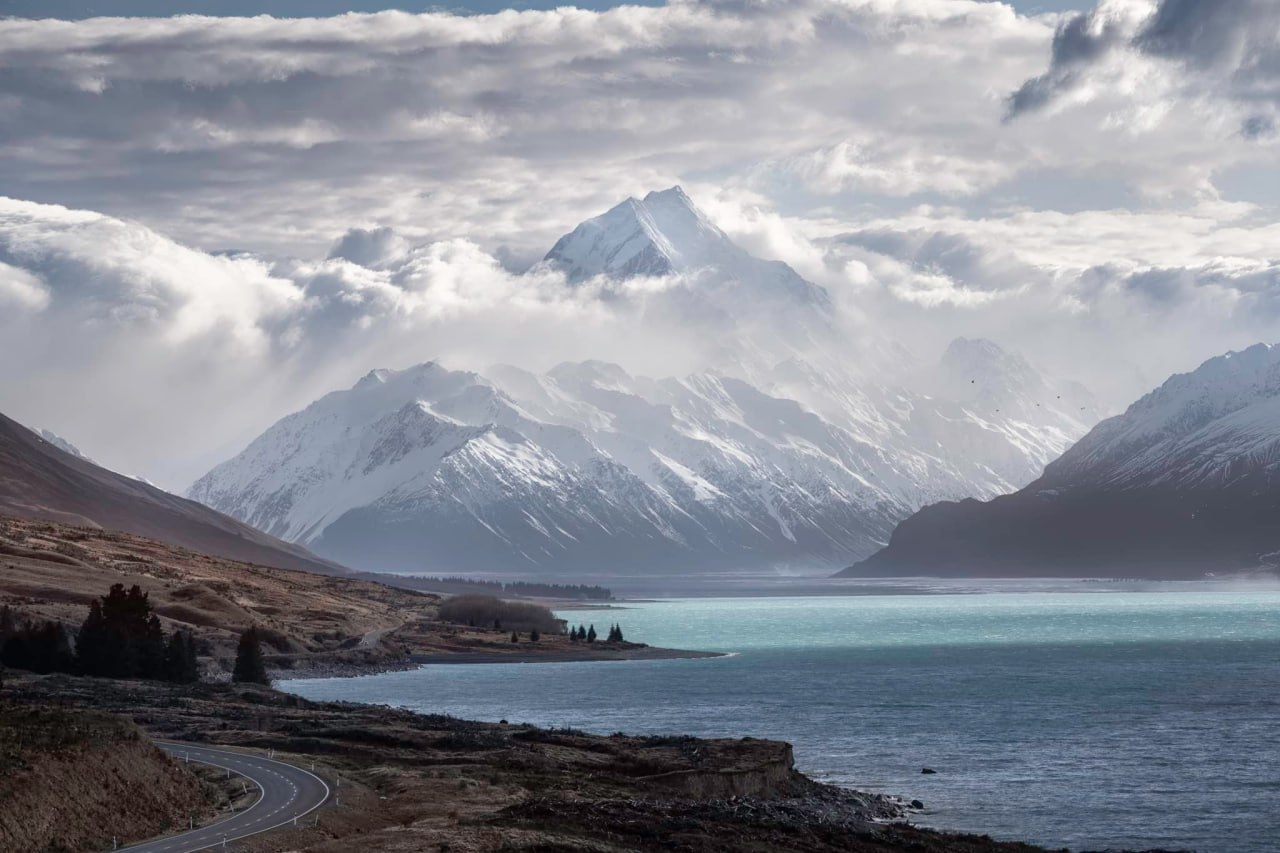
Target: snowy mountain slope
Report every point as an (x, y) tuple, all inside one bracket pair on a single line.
[(62, 444), (694, 473), (787, 453), (1186, 481), (1215, 426)]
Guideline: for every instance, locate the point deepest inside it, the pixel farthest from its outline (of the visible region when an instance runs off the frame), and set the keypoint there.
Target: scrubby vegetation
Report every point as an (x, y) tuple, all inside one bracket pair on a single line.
[(488, 610)]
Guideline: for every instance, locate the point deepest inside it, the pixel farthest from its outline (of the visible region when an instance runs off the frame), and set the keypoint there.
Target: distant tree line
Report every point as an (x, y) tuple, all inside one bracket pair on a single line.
[(588, 635), (120, 638), (526, 589)]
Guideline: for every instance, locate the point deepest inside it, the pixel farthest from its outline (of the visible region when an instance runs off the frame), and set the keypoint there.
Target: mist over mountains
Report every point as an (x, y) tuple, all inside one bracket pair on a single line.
[(1181, 484), (795, 447)]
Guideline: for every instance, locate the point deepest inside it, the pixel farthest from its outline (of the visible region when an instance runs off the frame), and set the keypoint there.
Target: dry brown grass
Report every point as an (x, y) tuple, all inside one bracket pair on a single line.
[(216, 598)]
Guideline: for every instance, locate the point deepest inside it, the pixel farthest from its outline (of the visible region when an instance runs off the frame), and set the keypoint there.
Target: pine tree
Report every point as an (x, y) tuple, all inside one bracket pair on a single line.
[(515, 638), (175, 654), (180, 664), (41, 648), (94, 649), (591, 634), (8, 627), (151, 649), (191, 663), (250, 667), (534, 636), (618, 631)]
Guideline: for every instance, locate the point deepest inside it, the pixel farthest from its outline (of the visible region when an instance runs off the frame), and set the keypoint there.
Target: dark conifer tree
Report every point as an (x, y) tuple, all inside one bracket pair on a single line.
[(618, 630), (250, 666), (41, 648), (591, 634), (54, 649), (534, 636), (180, 664), (515, 638), (8, 627), (151, 649), (94, 651), (190, 663)]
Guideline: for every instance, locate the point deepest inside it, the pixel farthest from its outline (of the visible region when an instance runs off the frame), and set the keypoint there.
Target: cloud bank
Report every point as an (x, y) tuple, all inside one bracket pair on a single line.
[(214, 220)]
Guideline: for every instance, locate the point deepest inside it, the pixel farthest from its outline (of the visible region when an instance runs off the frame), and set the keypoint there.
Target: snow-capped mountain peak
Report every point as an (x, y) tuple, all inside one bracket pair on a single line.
[(791, 445), (61, 443), (665, 234), (658, 235), (1220, 423)]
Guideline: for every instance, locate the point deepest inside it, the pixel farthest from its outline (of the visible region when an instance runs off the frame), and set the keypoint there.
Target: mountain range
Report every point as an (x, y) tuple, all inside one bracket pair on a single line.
[(1185, 482), (783, 453)]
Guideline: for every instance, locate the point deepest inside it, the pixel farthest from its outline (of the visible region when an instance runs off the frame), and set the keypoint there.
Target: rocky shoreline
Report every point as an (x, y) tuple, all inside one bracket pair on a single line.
[(414, 782), (328, 667)]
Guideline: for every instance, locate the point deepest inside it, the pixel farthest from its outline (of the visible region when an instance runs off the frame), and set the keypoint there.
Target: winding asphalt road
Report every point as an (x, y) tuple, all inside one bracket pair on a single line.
[(286, 792)]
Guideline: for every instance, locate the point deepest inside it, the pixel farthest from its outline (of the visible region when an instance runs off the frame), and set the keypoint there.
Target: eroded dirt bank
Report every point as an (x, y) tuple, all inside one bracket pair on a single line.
[(74, 780)]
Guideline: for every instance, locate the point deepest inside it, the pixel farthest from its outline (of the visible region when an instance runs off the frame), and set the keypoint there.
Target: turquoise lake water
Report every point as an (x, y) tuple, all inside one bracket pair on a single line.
[(1089, 720)]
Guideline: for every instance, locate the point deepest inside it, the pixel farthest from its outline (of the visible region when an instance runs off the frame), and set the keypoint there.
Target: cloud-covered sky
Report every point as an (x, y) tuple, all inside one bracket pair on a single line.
[(1096, 189)]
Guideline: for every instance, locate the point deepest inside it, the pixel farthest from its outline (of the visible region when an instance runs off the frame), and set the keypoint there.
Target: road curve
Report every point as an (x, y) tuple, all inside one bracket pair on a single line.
[(286, 792)]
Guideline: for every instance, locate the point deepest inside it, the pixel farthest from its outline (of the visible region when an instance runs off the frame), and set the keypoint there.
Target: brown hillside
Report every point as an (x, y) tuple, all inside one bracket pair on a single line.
[(74, 780), (37, 480), (53, 571)]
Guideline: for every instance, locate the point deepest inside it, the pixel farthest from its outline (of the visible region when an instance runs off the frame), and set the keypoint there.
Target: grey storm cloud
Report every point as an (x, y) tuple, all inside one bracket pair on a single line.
[(207, 209), (1078, 42), (1224, 48), (448, 126)]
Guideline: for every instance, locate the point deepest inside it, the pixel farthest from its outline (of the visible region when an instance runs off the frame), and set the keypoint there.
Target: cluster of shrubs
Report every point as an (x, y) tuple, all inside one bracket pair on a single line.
[(120, 638), (589, 635), (490, 611)]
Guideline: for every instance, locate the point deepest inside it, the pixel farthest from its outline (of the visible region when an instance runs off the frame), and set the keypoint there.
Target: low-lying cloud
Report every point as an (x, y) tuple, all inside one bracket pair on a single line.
[(161, 359)]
